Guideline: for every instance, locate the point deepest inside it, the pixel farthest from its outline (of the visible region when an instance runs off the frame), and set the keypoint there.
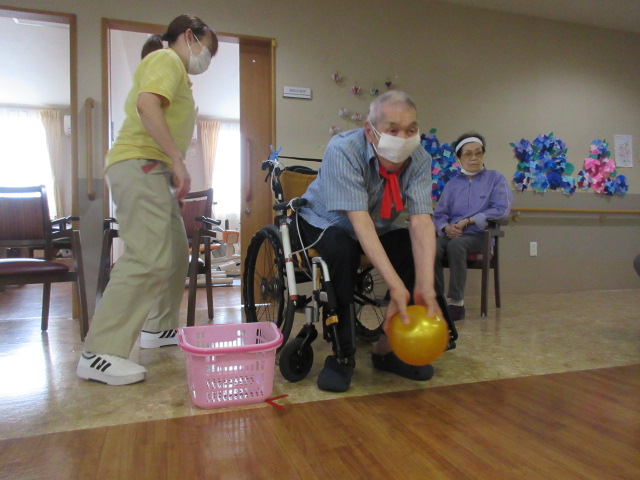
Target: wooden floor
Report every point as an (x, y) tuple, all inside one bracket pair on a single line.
[(577, 425), (545, 388)]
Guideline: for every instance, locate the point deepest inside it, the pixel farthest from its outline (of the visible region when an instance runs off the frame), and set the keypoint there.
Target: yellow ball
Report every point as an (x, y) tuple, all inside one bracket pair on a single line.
[(422, 340)]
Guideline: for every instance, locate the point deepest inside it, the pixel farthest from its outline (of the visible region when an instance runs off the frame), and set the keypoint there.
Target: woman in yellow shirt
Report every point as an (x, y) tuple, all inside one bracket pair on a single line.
[(147, 177)]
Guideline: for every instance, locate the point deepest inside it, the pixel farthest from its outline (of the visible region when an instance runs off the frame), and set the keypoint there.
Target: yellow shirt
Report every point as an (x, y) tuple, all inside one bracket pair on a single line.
[(163, 73)]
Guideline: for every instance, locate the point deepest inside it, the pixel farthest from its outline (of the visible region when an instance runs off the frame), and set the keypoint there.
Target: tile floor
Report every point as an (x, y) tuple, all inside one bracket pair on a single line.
[(530, 335)]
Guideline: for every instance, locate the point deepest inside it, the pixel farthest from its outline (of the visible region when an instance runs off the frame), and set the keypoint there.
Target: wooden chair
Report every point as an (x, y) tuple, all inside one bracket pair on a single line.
[(199, 229), (488, 259), (25, 223), (201, 234)]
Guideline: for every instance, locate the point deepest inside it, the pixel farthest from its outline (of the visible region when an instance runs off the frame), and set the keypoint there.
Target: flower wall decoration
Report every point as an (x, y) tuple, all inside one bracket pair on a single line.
[(443, 162), (357, 92), (542, 165), (334, 129), (599, 172)]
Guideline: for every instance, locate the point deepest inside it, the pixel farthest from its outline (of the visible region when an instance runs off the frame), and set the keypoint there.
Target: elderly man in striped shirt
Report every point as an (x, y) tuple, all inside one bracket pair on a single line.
[(367, 177)]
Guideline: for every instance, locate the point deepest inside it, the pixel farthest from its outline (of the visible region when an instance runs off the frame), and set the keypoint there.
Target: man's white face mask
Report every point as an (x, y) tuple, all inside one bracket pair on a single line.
[(395, 149)]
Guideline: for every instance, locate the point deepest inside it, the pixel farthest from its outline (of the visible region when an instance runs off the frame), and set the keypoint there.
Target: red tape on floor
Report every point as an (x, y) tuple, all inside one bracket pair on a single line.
[(271, 401)]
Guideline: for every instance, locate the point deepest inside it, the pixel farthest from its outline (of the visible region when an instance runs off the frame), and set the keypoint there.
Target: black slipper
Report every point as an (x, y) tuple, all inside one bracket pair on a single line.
[(391, 363), (335, 377)]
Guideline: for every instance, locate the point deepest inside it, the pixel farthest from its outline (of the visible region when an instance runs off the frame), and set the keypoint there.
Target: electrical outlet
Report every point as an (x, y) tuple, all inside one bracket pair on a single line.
[(533, 249)]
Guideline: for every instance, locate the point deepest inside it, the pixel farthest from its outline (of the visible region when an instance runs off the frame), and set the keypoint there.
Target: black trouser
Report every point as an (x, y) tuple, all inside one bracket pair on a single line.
[(342, 254)]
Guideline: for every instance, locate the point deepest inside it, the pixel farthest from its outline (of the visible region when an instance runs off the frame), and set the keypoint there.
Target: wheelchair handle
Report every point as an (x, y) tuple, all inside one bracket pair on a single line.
[(296, 202)]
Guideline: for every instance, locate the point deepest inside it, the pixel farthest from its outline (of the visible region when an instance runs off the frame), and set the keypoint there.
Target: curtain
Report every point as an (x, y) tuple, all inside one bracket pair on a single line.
[(209, 131), (24, 156), (52, 121), (226, 175)]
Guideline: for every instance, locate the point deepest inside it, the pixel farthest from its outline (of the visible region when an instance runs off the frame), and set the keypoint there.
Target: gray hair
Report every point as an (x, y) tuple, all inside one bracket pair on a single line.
[(392, 96)]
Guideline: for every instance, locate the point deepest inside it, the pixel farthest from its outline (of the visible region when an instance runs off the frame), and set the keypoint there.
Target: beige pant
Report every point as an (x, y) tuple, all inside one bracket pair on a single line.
[(147, 282)]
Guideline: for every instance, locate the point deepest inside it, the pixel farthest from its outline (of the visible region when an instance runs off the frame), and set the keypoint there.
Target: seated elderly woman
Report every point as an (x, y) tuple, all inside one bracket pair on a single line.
[(468, 200)]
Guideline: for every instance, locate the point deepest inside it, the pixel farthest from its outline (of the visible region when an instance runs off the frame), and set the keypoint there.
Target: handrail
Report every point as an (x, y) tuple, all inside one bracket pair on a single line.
[(248, 196), (515, 211), (88, 105)]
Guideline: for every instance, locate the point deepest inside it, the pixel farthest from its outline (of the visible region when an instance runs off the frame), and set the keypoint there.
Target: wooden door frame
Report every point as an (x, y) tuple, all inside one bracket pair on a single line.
[(257, 117)]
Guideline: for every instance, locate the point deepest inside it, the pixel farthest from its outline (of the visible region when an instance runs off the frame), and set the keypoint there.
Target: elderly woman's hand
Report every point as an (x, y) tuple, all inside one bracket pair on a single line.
[(453, 231)]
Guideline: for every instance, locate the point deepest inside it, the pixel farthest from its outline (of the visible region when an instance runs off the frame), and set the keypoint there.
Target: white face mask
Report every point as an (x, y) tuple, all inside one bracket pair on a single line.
[(199, 63), (395, 149), (469, 174)]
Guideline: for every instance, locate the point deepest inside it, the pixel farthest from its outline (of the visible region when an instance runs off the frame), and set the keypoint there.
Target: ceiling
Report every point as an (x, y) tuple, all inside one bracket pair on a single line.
[(616, 14), (29, 50)]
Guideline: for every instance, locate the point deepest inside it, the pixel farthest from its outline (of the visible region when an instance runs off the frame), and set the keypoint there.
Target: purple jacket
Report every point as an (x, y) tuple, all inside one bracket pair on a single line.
[(483, 196)]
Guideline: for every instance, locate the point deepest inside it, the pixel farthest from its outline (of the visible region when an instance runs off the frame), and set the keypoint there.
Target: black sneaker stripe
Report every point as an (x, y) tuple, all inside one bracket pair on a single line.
[(100, 364)]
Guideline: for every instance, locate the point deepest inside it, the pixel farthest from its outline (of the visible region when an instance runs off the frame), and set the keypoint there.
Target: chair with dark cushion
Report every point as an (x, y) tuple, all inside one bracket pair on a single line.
[(25, 224), (486, 260), (200, 230)]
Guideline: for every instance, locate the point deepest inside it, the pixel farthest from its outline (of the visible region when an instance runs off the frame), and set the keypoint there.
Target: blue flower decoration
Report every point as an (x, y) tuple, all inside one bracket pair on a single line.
[(544, 157), (443, 162)]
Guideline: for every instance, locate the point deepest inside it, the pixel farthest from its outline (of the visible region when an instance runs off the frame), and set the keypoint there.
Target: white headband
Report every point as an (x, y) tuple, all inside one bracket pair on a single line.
[(468, 140)]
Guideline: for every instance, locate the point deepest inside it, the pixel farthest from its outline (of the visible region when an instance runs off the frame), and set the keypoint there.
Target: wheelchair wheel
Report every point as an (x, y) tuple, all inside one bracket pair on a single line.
[(295, 363), (370, 305), (264, 284)]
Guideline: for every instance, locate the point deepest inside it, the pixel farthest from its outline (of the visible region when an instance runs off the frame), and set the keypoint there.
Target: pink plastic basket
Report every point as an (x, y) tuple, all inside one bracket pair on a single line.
[(230, 364)]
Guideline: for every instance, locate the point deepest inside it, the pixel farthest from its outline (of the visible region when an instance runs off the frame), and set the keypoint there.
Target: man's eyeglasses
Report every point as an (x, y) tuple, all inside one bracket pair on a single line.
[(470, 155)]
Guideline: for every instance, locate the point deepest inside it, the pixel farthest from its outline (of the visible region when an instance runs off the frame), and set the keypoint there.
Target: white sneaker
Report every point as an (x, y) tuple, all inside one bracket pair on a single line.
[(158, 339), (109, 369)]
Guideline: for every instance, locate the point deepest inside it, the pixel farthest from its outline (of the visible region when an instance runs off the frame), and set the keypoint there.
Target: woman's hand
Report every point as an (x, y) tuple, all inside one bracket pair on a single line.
[(456, 230), (453, 231), (181, 179)]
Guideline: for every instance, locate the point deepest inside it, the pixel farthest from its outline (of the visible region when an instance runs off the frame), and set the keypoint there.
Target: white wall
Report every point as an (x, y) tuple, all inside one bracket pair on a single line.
[(507, 76)]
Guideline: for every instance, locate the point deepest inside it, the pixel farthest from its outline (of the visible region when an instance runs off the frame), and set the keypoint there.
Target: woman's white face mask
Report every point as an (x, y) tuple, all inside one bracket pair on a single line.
[(199, 63), (395, 149)]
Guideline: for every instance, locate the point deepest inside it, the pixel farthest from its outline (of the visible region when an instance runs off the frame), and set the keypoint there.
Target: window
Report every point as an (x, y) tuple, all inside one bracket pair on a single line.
[(24, 158)]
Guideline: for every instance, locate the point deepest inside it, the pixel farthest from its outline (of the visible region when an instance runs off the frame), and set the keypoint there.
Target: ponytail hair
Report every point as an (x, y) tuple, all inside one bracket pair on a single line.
[(153, 43), (181, 24), (177, 27)]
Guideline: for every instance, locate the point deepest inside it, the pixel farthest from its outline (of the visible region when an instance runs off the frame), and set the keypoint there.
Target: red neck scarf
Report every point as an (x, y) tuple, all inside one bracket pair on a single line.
[(391, 192)]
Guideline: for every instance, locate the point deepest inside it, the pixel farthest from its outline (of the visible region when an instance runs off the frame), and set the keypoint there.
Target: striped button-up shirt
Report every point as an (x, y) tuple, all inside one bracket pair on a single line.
[(349, 180)]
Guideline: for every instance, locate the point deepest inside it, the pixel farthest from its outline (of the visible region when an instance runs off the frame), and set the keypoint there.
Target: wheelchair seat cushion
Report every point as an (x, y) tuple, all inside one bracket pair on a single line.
[(391, 363)]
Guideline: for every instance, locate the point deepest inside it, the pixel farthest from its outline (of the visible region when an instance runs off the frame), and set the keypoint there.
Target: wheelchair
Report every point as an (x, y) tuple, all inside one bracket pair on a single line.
[(277, 264)]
